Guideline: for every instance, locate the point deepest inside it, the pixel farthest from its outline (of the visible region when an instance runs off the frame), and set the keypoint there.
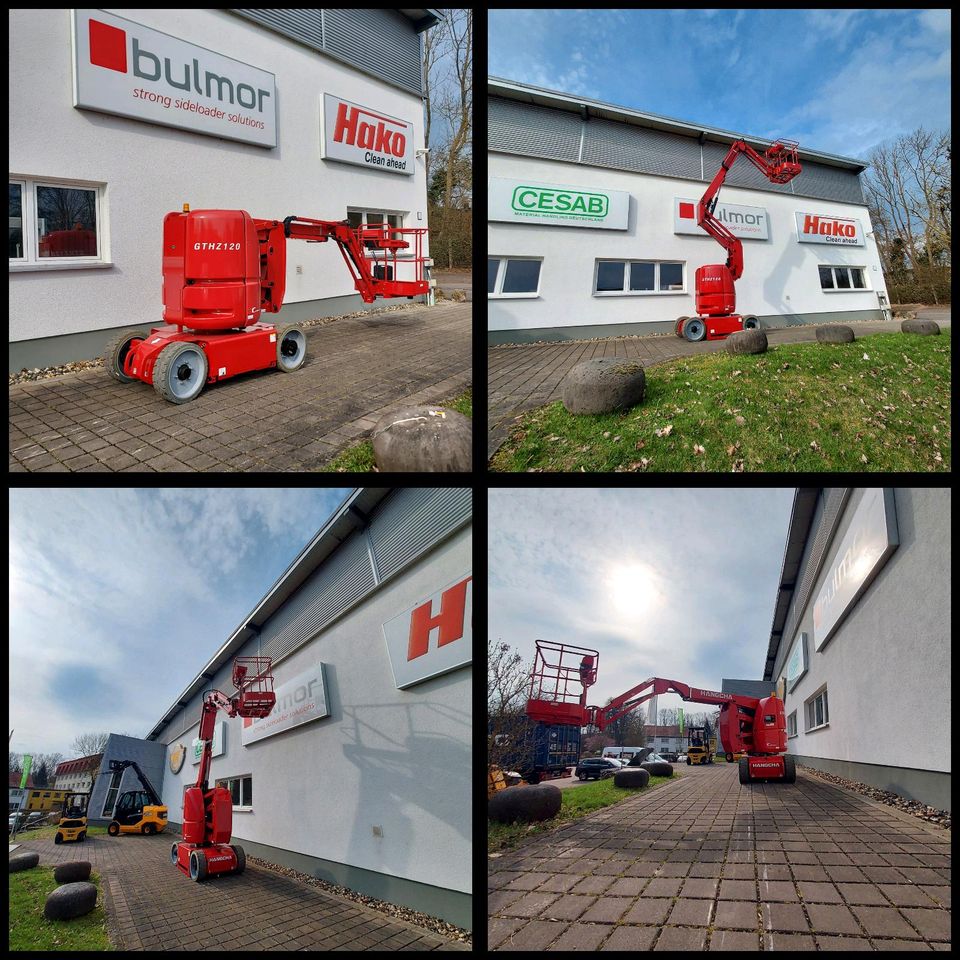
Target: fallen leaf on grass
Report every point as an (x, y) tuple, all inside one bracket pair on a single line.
[(640, 464), (606, 433), (740, 421), (863, 458), (736, 373), (814, 445), (731, 449), (697, 449), (641, 444), (866, 356), (664, 431), (737, 466), (617, 439)]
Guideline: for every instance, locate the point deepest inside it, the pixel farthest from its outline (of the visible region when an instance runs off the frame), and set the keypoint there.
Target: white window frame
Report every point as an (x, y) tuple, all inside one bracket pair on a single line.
[(32, 261), (386, 214), (810, 711), (792, 725), (834, 267), (501, 274), (227, 781), (625, 292)]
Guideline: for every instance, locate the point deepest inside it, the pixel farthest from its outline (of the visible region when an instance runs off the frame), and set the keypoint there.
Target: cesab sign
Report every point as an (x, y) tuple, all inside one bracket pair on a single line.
[(433, 637), (748, 223), (366, 137), (299, 700), (523, 201), (817, 228), (127, 69), (216, 748)]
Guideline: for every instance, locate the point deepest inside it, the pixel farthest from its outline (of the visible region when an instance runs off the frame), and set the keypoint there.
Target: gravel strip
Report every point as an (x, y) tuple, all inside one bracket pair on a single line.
[(914, 807), (435, 924), (46, 373)]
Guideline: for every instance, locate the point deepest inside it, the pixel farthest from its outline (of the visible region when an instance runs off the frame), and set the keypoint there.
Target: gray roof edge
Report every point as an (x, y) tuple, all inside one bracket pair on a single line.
[(422, 19), (344, 519), (503, 86)]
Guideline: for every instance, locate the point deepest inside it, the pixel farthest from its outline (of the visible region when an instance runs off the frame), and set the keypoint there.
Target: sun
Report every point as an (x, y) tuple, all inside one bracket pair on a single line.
[(633, 589)]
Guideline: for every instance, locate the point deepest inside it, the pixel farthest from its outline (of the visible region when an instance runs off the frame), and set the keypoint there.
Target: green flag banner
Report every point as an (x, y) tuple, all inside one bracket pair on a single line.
[(680, 711), (27, 761)]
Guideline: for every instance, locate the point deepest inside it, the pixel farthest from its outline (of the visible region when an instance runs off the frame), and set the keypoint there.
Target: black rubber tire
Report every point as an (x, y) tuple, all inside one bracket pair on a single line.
[(241, 859), (657, 769), (57, 838), (789, 769), (165, 362), (688, 761), (678, 326), (581, 777), (744, 770), (116, 350), (286, 363), (173, 853), (729, 757), (83, 836), (69, 901), (114, 829), (198, 866), (699, 331), (525, 804), (750, 322), (635, 778), (149, 829), (74, 871)]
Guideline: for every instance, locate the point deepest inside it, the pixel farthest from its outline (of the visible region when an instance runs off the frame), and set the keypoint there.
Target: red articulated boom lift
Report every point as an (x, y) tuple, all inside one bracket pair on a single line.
[(716, 295), (222, 270), (205, 849), (749, 724)]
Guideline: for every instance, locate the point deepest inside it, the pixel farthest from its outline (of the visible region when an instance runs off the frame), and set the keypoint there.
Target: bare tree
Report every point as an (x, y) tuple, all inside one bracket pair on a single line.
[(86, 744), (16, 762), (507, 679)]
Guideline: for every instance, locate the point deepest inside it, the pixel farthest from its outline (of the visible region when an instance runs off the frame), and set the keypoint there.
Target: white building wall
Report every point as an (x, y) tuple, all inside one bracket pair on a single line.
[(887, 668), (151, 170), (780, 275), (385, 757)]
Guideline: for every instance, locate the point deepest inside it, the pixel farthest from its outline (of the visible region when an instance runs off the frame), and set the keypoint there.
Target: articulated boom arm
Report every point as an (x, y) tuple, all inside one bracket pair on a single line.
[(117, 765), (779, 164)]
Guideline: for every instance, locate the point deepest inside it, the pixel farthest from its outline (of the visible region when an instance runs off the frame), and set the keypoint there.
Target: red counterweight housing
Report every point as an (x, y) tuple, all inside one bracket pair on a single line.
[(716, 294), (211, 270), (207, 817), (770, 727)]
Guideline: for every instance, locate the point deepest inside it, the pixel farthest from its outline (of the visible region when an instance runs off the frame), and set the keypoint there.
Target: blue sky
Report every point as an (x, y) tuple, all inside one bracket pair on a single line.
[(671, 583), (119, 597), (838, 81)]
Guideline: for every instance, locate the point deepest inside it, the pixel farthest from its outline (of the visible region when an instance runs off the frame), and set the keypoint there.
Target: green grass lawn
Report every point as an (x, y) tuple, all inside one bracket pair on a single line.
[(48, 833), (576, 802), (359, 458), (879, 404), (30, 930)]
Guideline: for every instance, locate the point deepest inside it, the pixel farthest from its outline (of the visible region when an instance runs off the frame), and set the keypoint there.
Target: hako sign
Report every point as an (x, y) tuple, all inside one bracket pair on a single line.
[(433, 637), (127, 69), (366, 137), (526, 201), (748, 223), (871, 537), (819, 228), (299, 700)]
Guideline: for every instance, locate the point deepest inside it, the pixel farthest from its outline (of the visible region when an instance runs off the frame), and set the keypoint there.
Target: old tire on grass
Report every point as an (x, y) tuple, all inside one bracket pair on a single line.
[(115, 352), (604, 385), (747, 341), (632, 777), (657, 768), (525, 804), (835, 333), (72, 872), (423, 439), (23, 861), (923, 327), (69, 901), (744, 771), (789, 769)]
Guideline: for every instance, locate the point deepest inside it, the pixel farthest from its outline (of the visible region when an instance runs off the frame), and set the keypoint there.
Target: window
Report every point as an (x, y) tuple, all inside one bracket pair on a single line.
[(55, 224), (373, 218), (842, 278), (644, 277), (513, 276), (816, 712), (112, 793), (241, 791), (792, 724)]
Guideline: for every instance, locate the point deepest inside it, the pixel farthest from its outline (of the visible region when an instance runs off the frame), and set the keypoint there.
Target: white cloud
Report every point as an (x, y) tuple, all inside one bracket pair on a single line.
[(937, 21)]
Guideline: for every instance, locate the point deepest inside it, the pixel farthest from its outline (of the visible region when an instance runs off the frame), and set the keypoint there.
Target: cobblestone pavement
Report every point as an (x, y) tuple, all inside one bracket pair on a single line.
[(356, 369), (708, 864), (526, 376), (150, 905)]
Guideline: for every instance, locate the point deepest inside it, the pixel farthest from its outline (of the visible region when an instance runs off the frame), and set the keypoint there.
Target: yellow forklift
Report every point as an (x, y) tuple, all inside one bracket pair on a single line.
[(73, 818), (700, 746)]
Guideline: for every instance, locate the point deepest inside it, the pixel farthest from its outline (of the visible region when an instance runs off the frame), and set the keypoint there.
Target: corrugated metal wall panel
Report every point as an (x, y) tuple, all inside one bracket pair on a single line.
[(411, 520), (742, 174), (383, 43), (828, 183), (338, 583), (532, 131), (622, 146)]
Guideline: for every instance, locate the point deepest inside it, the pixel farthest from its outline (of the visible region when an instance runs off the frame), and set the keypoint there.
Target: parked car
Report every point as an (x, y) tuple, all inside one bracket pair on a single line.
[(669, 755), (681, 758), (592, 768)]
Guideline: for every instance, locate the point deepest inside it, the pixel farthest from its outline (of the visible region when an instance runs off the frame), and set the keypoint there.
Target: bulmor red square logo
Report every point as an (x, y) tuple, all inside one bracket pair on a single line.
[(108, 46), (686, 211)]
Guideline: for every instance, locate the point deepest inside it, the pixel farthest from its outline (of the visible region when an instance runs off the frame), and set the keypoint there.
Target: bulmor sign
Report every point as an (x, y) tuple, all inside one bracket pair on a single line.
[(870, 539), (819, 228), (433, 637), (525, 201), (127, 69), (366, 137), (748, 223), (299, 700)]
